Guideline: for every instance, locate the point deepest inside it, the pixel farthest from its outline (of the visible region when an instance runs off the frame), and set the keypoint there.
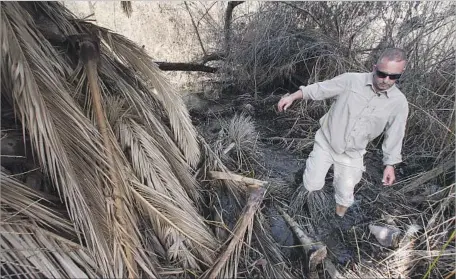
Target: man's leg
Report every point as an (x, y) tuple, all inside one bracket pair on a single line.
[(317, 165), (347, 173)]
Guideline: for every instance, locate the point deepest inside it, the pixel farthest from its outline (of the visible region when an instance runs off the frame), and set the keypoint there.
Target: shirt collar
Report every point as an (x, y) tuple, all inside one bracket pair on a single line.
[(388, 92)]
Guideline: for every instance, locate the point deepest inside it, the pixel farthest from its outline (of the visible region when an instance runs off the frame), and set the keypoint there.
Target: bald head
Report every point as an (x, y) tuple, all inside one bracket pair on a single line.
[(390, 65), (392, 54)]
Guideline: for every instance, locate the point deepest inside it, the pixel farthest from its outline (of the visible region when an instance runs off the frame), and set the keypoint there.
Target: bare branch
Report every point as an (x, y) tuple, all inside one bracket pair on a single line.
[(186, 67), (228, 17), (126, 7), (213, 57), (196, 28)]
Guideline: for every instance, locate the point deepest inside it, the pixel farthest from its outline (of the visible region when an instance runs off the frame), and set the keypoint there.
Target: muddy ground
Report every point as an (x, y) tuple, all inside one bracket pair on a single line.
[(285, 160), (284, 142)]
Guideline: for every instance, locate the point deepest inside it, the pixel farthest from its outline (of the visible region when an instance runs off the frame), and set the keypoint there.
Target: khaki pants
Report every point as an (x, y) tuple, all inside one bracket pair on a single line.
[(347, 171)]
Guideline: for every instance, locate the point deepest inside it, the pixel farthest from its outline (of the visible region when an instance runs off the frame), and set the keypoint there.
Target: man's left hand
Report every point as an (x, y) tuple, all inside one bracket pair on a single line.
[(388, 176)]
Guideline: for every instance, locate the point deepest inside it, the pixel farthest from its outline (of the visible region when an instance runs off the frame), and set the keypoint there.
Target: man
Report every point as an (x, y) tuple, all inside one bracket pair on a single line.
[(366, 105)]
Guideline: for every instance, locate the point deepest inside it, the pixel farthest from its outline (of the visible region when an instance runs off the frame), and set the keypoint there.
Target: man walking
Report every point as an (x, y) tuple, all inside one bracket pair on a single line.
[(366, 105)]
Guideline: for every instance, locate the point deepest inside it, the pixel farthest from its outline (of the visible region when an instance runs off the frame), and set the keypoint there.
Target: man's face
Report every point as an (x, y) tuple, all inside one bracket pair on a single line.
[(386, 73)]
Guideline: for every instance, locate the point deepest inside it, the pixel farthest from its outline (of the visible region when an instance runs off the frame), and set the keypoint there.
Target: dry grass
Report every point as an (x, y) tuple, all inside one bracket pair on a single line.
[(237, 143)]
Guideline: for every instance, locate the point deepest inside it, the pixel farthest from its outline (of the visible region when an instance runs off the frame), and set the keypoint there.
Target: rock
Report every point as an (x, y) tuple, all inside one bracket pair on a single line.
[(387, 236)]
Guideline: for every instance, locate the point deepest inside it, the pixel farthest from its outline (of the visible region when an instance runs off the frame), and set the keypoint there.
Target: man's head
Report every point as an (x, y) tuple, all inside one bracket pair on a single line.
[(390, 65)]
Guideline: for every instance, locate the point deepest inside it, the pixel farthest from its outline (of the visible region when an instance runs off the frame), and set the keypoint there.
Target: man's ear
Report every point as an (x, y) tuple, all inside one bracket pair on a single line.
[(374, 67)]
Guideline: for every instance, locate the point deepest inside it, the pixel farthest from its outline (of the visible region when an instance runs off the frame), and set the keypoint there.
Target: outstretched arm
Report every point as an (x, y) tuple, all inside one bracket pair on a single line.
[(317, 91)]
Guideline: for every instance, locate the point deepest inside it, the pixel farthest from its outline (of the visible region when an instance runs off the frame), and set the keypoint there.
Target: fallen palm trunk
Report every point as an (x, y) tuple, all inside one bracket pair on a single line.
[(237, 177), (316, 252), (427, 176), (246, 220)]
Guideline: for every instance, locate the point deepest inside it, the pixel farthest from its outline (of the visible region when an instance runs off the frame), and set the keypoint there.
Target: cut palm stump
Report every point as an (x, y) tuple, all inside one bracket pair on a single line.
[(315, 251), (236, 240)]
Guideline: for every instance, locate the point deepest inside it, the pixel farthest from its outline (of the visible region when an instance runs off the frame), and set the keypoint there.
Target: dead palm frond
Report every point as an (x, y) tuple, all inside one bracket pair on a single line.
[(276, 264), (32, 252), (48, 244), (135, 57), (403, 257), (20, 203), (167, 217), (33, 76), (226, 266), (237, 143), (319, 204), (158, 169), (61, 94)]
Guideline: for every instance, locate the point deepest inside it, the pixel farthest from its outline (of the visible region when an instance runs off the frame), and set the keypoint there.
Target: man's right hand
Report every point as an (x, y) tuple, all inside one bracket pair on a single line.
[(285, 102)]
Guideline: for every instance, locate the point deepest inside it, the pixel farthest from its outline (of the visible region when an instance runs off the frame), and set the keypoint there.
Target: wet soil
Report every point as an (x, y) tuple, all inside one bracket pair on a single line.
[(279, 162)]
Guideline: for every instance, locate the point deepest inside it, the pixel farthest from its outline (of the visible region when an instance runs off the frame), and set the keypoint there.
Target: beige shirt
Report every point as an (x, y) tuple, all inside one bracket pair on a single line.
[(359, 115)]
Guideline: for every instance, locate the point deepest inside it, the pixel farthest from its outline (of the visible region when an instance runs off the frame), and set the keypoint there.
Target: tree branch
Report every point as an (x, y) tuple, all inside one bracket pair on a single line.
[(306, 12), (196, 28), (126, 7), (186, 67), (213, 57), (228, 17)]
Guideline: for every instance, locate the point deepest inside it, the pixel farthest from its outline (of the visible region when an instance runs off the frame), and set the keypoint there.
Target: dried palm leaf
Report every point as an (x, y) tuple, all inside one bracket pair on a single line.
[(152, 163), (276, 264), (19, 202), (66, 144), (148, 113), (237, 143), (31, 251), (154, 169), (133, 56), (319, 204), (198, 240), (227, 263), (30, 244)]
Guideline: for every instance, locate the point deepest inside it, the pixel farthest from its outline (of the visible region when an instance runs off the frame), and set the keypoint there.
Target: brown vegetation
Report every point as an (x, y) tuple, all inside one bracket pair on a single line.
[(104, 175)]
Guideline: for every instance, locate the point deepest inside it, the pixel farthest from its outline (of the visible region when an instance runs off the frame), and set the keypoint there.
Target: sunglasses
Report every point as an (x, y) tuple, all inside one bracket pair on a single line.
[(381, 74)]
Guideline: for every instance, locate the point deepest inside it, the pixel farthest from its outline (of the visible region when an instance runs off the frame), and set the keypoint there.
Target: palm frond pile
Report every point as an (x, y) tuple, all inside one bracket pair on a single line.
[(129, 203)]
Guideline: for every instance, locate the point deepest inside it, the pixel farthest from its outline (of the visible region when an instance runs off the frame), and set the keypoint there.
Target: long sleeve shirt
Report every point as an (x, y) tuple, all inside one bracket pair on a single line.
[(360, 114)]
